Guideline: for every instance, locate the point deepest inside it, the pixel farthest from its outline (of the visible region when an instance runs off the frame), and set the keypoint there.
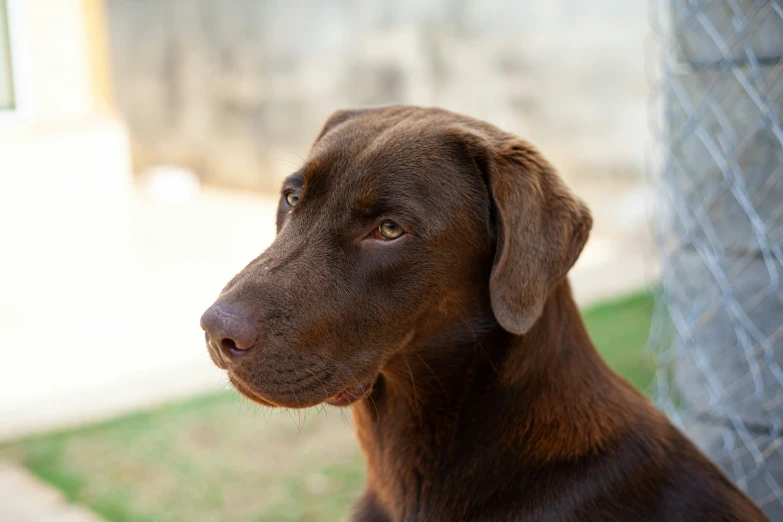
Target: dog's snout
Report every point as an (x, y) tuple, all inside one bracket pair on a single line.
[(230, 329)]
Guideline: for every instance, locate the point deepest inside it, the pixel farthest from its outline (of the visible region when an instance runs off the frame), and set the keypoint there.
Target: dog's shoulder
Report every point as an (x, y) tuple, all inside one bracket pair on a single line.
[(679, 483)]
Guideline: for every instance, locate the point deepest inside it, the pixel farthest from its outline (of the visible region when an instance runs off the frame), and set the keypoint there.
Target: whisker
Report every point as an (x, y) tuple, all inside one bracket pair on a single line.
[(375, 406), (290, 165), (476, 342), (415, 393), (345, 421), (298, 156), (319, 380), (291, 416), (442, 387)]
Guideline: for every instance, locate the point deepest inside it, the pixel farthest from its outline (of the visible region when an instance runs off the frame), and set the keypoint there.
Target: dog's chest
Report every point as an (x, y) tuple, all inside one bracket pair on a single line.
[(420, 472)]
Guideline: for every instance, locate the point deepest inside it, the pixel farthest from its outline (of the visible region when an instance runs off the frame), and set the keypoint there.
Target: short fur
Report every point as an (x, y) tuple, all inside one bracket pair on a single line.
[(488, 401)]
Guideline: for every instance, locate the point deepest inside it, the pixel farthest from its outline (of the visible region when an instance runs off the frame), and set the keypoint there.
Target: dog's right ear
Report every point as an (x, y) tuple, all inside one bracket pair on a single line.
[(541, 226), (338, 117)]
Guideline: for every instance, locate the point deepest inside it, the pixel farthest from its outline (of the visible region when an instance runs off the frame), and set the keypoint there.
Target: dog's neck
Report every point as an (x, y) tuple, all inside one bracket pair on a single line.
[(556, 352), (549, 386)]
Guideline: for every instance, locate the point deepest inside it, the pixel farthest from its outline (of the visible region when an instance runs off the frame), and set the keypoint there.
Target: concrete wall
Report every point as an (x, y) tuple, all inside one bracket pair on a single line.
[(237, 89), (62, 146)]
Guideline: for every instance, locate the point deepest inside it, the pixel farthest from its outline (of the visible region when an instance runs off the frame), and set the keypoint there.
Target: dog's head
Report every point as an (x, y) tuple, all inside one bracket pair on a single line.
[(405, 225)]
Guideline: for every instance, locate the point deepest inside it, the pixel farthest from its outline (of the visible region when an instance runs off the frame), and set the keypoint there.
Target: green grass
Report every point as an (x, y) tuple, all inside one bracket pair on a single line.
[(219, 458), (620, 329)]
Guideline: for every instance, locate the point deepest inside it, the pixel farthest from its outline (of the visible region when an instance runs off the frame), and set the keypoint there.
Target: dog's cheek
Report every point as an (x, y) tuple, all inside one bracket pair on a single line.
[(397, 302)]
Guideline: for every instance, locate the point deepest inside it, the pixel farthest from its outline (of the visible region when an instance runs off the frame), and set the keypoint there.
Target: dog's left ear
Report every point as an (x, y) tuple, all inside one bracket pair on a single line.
[(541, 225)]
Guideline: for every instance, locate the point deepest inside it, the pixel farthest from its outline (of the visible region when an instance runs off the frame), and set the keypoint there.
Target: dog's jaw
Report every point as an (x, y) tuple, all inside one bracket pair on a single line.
[(350, 395)]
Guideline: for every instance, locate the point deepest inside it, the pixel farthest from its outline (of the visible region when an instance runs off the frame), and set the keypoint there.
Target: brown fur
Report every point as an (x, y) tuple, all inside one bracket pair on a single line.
[(488, 402)]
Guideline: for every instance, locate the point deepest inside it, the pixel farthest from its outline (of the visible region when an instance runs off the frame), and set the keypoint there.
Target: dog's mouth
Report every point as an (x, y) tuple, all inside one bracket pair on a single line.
[(350, 395), (343, 398)]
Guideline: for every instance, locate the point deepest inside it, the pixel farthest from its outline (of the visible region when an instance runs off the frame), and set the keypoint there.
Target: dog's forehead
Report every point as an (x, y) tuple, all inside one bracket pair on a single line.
[(371, 156)]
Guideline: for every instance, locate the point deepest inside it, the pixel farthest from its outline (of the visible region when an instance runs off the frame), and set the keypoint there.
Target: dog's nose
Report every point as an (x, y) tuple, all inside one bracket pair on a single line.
[(229, 329)]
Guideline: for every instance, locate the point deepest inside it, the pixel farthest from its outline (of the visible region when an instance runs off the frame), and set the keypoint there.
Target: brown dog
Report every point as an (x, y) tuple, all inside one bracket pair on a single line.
[(419, 275)]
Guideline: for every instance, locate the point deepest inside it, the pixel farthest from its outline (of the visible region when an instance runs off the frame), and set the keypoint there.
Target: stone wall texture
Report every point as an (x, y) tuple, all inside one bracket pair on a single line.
[(237, 89)]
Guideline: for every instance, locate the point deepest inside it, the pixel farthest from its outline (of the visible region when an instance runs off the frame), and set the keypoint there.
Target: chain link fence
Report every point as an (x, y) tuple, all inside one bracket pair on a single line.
[(718, 150)]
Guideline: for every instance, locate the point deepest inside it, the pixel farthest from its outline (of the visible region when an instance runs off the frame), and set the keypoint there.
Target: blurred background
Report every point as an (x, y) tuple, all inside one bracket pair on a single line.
[(142, 144)]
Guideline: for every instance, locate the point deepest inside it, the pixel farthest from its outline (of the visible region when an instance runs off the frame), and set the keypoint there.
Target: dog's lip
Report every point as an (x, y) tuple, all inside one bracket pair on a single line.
[(247, 391), (344, 398), (350, 395)]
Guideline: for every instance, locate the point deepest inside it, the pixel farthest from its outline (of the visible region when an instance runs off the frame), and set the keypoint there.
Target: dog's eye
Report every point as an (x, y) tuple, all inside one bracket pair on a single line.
[(388, 230), (292, 198)]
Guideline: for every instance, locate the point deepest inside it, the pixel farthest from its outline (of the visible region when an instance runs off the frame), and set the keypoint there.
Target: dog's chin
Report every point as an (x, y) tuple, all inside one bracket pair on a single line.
[(248, 393), (350, 395), (343, 398)]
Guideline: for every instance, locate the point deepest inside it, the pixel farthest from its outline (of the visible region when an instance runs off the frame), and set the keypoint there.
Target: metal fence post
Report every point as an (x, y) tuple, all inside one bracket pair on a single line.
[(719, 327)]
